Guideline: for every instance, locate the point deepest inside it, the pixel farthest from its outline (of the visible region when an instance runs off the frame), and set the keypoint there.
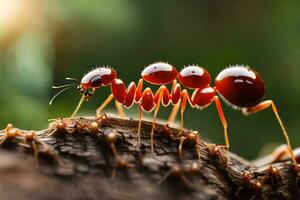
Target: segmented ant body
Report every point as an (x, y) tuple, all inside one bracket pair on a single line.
[(192, 77), (240, 86)]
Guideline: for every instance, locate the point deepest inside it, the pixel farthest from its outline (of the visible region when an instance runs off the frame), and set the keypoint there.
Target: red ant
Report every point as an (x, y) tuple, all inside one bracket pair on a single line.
[(241, 87), (193, 77)]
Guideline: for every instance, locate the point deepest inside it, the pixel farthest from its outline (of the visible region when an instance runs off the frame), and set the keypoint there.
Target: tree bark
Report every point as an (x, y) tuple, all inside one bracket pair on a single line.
[(79, 160)]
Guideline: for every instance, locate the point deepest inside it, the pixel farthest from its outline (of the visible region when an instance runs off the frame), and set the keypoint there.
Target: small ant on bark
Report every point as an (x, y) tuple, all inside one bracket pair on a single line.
[(30, 140), (240, 86), (121, 163), (59, 127), (247, 184), (274, 174), (181, 171), (191, 137)]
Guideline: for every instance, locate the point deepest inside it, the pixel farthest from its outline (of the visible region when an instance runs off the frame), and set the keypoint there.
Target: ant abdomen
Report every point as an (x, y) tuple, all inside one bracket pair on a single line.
[(240, 86)]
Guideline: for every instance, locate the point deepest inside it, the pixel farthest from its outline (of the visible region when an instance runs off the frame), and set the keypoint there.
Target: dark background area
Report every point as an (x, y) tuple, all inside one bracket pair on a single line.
[(42, 42)]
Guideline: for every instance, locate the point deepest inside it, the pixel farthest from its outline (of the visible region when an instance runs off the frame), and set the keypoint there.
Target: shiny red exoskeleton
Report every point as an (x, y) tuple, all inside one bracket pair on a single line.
[(240, 86)]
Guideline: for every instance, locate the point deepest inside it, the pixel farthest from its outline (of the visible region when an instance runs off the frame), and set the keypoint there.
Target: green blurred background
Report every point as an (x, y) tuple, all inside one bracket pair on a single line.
[(44, 41)]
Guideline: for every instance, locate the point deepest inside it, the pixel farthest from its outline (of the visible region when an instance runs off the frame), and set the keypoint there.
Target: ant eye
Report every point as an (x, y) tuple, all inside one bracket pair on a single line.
[(96, 81)]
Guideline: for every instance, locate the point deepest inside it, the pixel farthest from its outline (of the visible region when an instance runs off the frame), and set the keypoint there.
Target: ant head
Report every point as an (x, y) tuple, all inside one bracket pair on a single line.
[(96, 78), (241, 86), (194, 76)]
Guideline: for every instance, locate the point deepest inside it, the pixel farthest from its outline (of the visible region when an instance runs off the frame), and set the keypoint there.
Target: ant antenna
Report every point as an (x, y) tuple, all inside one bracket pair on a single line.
[(66, 87), (62, 86), (72, 79), (78, 106)]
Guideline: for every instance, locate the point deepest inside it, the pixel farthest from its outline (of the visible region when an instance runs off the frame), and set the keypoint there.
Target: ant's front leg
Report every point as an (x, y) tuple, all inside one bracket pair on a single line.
[(103, 105)]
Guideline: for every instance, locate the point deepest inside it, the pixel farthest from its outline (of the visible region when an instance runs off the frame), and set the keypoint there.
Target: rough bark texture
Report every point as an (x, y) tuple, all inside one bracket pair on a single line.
[(81, 164)]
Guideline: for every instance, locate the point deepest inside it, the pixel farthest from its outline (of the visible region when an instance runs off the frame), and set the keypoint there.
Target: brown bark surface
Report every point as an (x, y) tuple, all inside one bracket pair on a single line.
[(81, 164)]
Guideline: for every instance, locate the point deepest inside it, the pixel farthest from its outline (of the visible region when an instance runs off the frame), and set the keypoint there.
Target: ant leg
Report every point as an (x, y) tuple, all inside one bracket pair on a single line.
[(184, 97), (140, 124), (114, 150), (197, 146), (223, 120), (175, 170), (3, 138), (111, 138), (47, 149), (181, 122), (120, 109), (103, 105), (78, 106), (180, 146), (160, 95), (174, 112), (139, 91), (116, 155), (35, 152), (51, 132), (262, 106), (175, 109)]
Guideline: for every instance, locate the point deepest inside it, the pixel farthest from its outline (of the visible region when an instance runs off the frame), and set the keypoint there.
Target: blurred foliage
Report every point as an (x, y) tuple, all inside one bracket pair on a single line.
[(44, 41)]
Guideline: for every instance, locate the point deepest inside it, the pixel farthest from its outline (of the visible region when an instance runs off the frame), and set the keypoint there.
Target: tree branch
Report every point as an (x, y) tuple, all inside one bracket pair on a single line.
[(81, 159)]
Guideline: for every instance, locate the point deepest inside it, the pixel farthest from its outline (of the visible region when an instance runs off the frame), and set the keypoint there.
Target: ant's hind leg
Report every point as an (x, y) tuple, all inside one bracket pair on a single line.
[(140, 124), (264, 105), (184, 97), (160, 95), (180, 147), (103, 105), (223, 120)]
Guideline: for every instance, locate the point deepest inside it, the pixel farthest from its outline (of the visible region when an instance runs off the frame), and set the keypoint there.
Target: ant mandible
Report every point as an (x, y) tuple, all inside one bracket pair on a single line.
[(240, 86)]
